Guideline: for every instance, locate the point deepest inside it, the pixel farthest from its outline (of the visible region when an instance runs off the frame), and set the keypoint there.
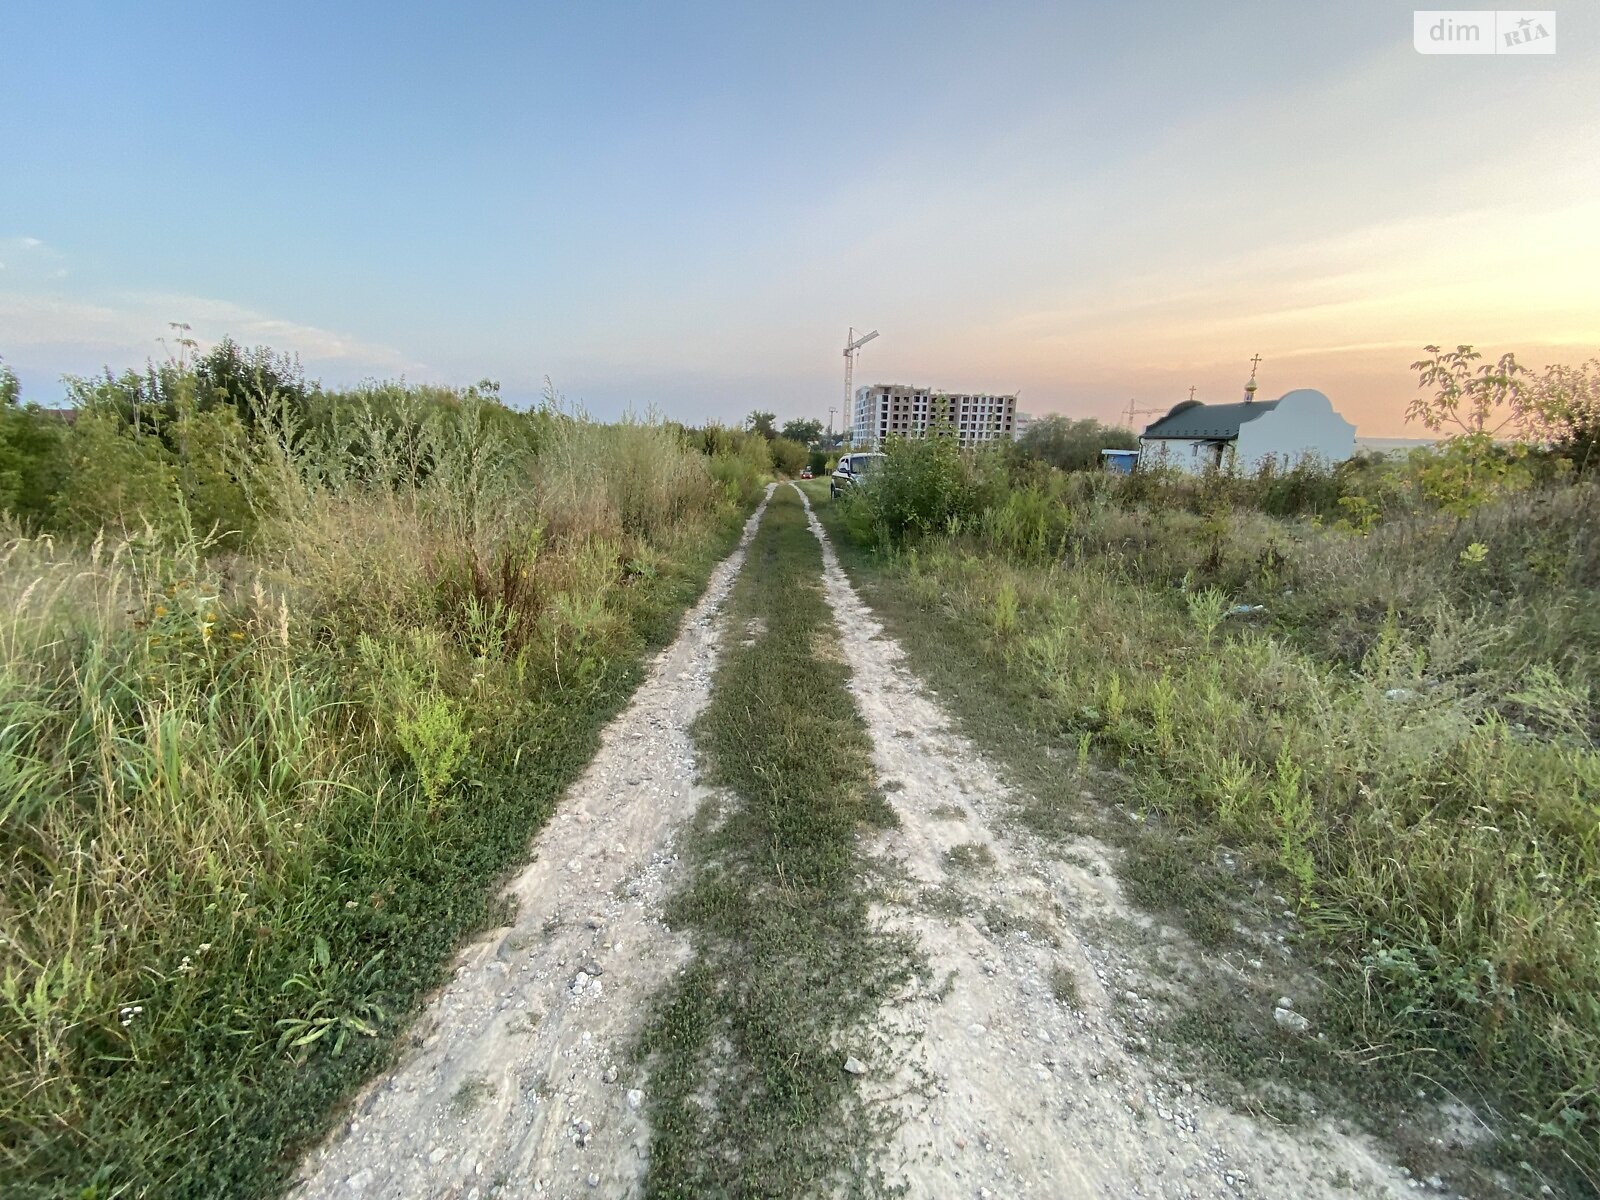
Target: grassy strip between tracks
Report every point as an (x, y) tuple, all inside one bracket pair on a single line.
[(748, 1046)]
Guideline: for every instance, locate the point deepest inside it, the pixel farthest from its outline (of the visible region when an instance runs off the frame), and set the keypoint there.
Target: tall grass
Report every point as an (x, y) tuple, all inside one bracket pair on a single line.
[(1397, 719), (253, 791)]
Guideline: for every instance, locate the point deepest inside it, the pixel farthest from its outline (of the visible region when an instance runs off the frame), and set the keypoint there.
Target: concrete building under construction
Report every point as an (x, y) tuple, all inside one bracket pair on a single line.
[(885, 410)]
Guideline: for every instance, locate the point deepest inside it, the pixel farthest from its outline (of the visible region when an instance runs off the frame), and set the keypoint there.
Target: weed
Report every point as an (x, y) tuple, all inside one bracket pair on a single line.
[(969, 856), (945, 901), (1206, 610), (434, 739), (1003, 922), (1292, 814), (1004, 618), (1064, 987), (471, 1095)]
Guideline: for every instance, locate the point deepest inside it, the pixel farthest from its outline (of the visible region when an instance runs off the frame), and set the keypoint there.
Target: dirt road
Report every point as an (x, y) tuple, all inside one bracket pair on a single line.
[(1020, 1076)]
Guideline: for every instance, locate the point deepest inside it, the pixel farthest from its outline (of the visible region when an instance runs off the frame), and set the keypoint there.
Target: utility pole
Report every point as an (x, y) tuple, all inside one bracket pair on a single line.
[(831, 411)]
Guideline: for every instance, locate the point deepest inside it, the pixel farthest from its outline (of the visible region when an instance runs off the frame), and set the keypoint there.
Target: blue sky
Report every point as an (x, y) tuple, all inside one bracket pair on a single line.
[(684, 206)]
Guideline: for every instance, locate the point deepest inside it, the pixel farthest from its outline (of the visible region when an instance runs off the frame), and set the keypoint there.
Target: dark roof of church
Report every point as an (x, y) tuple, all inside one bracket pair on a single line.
[(1191, 419)]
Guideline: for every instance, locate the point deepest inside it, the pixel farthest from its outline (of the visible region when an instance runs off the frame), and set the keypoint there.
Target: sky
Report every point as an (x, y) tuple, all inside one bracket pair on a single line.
[(682, 208)]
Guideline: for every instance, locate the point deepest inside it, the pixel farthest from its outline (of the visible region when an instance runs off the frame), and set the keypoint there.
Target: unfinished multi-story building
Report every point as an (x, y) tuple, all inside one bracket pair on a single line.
[(885, 410)]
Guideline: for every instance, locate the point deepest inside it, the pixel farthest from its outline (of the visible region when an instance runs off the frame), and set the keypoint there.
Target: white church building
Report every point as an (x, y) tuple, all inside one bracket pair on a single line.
[(1247, 435)]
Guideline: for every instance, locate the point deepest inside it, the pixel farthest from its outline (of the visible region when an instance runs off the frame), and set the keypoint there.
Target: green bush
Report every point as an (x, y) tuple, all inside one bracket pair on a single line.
[(789, 456), (739, 461), (114, 478), (30, 454), (924, 485), (1074, 445)]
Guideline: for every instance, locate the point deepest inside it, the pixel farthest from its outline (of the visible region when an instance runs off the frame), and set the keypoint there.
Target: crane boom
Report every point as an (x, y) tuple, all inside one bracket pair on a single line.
[(861, 341)]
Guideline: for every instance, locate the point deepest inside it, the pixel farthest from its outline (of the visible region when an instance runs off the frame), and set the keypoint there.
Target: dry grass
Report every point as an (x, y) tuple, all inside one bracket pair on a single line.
[(251, 800), (1404, 738)]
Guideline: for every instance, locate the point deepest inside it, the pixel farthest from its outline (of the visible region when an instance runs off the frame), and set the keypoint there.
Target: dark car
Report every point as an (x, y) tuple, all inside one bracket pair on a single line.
[(805, 473), (853, 470)]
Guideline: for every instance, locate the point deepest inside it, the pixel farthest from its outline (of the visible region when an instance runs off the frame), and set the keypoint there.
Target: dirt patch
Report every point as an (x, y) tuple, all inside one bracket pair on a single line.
[(518, 1079)]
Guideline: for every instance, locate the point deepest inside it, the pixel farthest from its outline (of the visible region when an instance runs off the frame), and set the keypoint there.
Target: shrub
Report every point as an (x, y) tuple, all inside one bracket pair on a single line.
[(1305, 487), (1074, 445), (30, 454), (924, 485), (115, 479), (1029, 523), (739, 461), (789, 456)]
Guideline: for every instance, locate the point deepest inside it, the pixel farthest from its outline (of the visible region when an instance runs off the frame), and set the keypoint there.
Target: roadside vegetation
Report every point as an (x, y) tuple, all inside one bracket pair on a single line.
[(750, 1048), (290, 677), (1073, 445), (1371, 687)]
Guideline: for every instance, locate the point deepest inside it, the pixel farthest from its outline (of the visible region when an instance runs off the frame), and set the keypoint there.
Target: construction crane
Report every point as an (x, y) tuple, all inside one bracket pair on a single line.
[(1131, 412), (852, 347)]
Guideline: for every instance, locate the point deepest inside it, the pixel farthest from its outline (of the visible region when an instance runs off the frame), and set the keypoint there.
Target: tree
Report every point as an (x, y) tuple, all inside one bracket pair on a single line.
[(1487, 401), (1489, 414), (762, 423), (30, 453), (1074, 445), (1567, 402), (807, 433)]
